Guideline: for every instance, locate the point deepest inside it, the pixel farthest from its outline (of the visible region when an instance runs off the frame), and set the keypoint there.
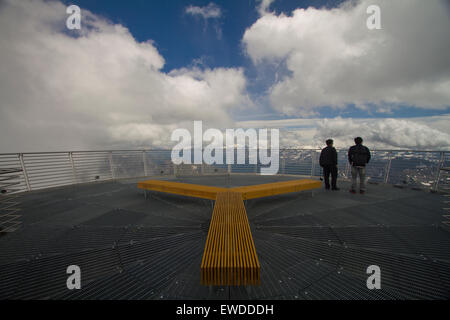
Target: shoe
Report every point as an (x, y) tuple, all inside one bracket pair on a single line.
[(327, 188), (362, 192), (336, 189), (352, 191)]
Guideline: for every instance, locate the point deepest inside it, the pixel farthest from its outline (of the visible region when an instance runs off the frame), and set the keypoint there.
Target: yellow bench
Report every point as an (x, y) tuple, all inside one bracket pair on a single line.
[(275, 188), (248, 192), (230, 256), (184, 189)]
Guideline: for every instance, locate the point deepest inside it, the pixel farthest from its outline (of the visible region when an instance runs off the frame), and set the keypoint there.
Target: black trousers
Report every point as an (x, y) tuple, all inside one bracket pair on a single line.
[(327, 170)]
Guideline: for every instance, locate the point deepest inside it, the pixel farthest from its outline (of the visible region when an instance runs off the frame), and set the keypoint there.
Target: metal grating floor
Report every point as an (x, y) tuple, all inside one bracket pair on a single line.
[(309, 247)]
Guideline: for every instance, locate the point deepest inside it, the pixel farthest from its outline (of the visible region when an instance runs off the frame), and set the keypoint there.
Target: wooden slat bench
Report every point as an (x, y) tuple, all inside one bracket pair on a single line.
[(276, 188), (248, 192), (230, 257), (184, 189)]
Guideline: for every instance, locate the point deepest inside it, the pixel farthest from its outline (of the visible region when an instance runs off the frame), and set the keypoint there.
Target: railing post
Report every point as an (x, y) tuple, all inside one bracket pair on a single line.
[(388, 167), (313, 164), (111, 165), (438, 173), (229, 169), (347, 170), (24, 170), (74, 172), (144, 160)]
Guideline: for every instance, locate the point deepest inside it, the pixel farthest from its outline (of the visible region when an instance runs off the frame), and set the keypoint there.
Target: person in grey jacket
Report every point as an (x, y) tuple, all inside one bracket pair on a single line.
[(358, 156)]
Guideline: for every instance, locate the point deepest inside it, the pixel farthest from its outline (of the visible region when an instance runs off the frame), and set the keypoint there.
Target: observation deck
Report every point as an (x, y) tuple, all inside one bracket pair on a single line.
[(84, 208)]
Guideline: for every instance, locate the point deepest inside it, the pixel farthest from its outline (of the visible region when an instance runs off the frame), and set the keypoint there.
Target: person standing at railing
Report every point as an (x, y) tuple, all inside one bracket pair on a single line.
[(328, 161), (358, 156)]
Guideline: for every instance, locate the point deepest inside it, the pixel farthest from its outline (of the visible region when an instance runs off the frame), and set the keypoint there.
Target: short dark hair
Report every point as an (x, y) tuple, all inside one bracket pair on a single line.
[(329, 142), (358, 140)]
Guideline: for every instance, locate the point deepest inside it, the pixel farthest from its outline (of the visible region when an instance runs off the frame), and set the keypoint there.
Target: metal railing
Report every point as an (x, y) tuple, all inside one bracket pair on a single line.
[(444, 187), (40, 170), (9, 217)]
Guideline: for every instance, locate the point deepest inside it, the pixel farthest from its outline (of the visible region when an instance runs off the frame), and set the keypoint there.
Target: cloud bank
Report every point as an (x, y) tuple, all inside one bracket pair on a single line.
[(97, 87), (333, 59), (100, 88), (429, 133), (384, 133)]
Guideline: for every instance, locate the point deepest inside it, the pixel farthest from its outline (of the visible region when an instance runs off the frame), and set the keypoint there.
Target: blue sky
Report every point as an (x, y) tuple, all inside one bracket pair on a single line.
[(180, 37), (185, 41)]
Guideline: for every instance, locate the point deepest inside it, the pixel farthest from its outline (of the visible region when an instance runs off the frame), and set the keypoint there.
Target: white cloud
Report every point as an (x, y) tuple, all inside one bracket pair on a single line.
[(211, 11), (97, 88), (264, 6), (427, 133), (389, 133), (100, 88), (332, 59)]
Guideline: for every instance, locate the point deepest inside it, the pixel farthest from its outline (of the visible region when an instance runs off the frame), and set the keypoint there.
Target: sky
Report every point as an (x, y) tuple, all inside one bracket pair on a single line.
[(137, 70)]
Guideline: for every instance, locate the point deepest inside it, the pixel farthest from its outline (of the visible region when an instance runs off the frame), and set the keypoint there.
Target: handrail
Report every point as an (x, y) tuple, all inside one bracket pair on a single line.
[(168, 149), (57, 168)]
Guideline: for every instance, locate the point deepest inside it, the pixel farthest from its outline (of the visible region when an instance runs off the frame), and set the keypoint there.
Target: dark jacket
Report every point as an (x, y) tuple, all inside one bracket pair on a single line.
[(358, 155), (328, 157)]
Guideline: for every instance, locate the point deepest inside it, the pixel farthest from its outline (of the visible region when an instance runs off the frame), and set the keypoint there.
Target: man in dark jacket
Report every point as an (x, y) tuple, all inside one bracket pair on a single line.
[(328, 161), (358, 156)]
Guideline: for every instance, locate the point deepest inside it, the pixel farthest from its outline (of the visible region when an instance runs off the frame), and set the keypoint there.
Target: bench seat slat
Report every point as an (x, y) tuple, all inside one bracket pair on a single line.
[(230, 256)]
